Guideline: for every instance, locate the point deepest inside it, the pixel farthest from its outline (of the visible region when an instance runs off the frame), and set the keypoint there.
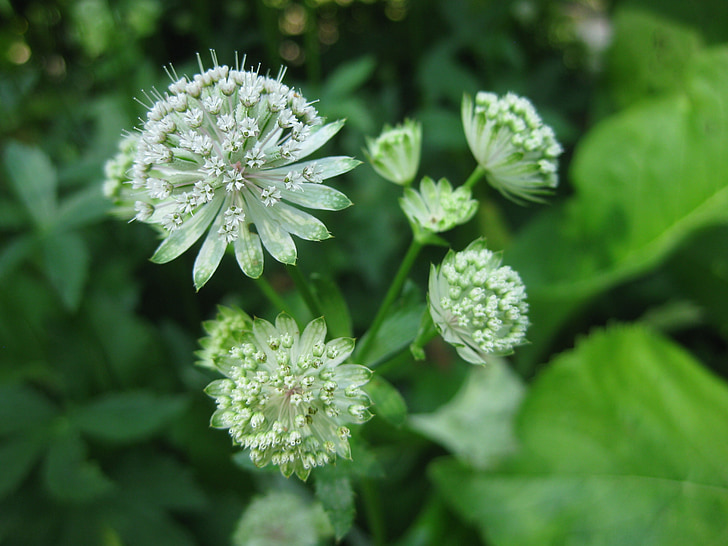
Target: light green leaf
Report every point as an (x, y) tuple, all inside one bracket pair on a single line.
[(127, 416), (348, 77), (69, 476), (193, 228), (624, 442), (82, 208), (33, 178), (333, 306), (387, 402), (397, 332), (66, 261), (477, 425), (336, 495)]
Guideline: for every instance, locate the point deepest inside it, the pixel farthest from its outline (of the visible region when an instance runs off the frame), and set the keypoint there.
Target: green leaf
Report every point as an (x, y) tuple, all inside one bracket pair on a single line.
[(84, 207), (397, 332), (477, 425), (628, 215), (22, 408), (17, 456), (624, 441), (333, 306), (69, 476), (348, 77), (33, 178), (336, 495), (144, 525), (127, 416), (66, 261), (387, 402)]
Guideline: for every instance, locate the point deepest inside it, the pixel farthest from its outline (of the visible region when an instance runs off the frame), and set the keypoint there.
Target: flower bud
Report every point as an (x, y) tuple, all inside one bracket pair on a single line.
[(395, 154)]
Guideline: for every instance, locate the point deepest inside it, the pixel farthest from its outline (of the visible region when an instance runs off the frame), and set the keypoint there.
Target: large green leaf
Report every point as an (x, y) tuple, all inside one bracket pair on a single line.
[(645, 180), (477, 424), (624, 442), (336, 495), (66, 260), (33, 178)]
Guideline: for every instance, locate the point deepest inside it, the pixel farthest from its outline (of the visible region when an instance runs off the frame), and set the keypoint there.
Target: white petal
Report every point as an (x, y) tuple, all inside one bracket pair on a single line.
[(249, 252), (210, 255), (299, 223), (317, 196)]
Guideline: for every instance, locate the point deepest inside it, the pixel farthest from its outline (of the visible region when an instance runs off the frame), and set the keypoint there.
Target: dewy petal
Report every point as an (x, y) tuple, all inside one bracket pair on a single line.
[(342, 347), (249, 252), (210, 255), (275, 238), (299, 223), (353, 375), (317, 196), (315, 332), (326, 167), (192, 229), (286, 324)]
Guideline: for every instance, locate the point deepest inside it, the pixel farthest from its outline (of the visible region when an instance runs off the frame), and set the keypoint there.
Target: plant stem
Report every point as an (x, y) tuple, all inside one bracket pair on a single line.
[(305, 290), (392, 293), (476, 175), (273, 296), (373, 510)]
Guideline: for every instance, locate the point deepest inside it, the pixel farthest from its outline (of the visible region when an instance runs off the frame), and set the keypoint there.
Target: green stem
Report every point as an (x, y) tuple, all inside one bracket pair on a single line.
[(305, 290), (373, 511), (312, 48), (476, 175), (392, 293), (273, 296)]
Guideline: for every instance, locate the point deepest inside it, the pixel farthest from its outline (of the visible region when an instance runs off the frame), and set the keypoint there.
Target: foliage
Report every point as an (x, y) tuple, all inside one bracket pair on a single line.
[(609, 427)]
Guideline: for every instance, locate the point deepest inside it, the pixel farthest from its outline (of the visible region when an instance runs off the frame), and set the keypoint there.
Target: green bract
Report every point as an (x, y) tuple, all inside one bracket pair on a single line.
[(511, 143), (218, 153), (395, 154), (478, 306), (436, 207), (288, 397)]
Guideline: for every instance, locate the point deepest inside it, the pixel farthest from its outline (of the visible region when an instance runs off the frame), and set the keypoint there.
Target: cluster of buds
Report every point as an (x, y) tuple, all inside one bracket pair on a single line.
[(477, 305), (395, 154), (219, 152), (288, 397), (511, 143)]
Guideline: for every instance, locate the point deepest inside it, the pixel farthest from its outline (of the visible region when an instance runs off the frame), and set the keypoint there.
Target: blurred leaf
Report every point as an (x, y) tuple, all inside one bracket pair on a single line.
[(66, 261), (336, 495), (477, 424), (84, 207), (348, 77), (22, 409), (628, 215), (142, 525), (624, 441), (387, 402), (68, 475), (18, 455), (33, 178), (14, 253), (333, 306), (127, 416), (649, 56)]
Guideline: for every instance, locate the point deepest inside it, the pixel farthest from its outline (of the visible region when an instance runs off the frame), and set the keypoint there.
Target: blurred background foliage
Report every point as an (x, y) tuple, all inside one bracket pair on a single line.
[(104, 434)]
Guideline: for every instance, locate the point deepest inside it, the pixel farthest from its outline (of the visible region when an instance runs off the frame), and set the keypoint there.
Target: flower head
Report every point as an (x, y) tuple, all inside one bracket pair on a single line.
[(288, 397), (478, 306), (218, 153), (117, 184), (436, 207), (222, 333), (511, 143), (395, 154)]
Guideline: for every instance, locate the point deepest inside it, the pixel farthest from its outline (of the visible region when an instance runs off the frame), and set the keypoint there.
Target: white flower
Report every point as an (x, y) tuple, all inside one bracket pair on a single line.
[(288, 397), (395, 154), (478, 306), (511, 143), (229, 139)]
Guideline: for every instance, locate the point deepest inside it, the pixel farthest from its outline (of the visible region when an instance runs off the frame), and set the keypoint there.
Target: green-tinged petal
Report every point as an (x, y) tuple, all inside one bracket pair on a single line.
[(192, 229), (285, 323), (275, 239), (219, 387), (264, 331), (338, 350), (353, 375), (299, 223), (249, 252), (315, 332), (222, 418), (226, 364), (319, 137), (317, 196), (326, 167), (210, 255)]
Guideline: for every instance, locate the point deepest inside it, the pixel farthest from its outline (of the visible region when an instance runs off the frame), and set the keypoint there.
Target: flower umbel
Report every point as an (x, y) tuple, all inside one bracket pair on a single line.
[(436, 208), (395, 154), (117, 184), (511, 143), (288, 397), (222, 333), (478, 306), (218, 153)]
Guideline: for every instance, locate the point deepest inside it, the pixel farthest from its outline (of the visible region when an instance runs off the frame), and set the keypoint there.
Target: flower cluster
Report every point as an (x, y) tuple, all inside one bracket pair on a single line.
[(436, 208), (222, 333), (478, 306), (116, 185), (395, 154), (288, 397), (218, 152), (511, 143)]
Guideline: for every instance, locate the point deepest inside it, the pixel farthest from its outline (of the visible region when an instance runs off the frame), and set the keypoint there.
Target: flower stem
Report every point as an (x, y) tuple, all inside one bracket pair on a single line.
[(392, 293), (305, 290), (373, 510), (273, 297), (476, 175)]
